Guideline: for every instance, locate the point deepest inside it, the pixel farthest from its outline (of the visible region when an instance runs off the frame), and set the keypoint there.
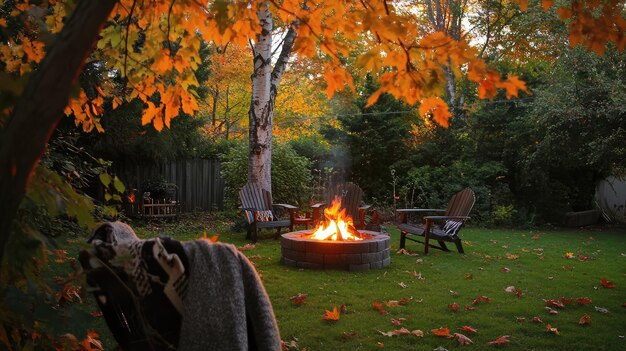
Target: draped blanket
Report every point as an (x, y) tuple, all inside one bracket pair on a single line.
[(162, 294)]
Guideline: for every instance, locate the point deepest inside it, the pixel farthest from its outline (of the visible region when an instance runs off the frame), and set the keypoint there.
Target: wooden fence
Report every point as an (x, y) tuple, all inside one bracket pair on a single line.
[(199, 184)]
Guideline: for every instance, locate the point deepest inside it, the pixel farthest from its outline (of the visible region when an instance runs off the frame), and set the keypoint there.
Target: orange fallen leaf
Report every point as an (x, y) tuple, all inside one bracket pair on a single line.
[(401, 331), (569, 255), (298, 299), (583, 301), (454, 307), (468, 276), (512, 256), (584, 320), (500, 340), (566, 300), (91, 342), (468, 329), (445, 332), (392, 303), (469, 308), (379, 307), (567, 268), (380, 345), (481, 298), (607, 283), (343, 308), (552, 329), (331, 316)]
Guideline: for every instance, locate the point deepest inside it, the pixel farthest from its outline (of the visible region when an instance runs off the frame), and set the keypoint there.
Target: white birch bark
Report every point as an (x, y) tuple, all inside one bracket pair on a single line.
[(265, 83)]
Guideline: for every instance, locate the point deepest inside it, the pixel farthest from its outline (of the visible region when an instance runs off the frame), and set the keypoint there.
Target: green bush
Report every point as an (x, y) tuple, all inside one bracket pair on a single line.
[(291, 174)]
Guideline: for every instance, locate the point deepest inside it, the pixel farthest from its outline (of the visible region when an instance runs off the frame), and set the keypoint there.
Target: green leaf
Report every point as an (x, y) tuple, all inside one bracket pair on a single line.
[(105, 178), (107, 197), (119, 186)]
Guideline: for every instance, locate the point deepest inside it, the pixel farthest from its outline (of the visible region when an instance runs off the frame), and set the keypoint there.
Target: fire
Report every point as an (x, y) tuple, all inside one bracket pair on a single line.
[(338, 226)]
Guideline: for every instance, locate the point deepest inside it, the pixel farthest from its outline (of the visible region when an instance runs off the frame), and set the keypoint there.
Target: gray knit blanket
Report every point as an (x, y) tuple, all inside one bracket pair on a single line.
[(225, 306), (163, 294)]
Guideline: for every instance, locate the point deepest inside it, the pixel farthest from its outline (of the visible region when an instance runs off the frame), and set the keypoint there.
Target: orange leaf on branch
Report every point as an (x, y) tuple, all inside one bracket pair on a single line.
[(437, 108)]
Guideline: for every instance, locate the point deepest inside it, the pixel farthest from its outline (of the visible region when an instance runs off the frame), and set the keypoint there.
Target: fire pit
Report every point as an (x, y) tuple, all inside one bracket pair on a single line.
[(335, 244)]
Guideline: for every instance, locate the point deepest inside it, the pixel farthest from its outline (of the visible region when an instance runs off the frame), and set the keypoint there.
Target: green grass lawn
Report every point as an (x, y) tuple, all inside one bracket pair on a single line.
[(535, 262)]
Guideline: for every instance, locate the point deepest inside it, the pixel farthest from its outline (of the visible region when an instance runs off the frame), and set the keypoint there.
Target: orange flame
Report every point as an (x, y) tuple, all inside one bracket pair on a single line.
[(338, 225)]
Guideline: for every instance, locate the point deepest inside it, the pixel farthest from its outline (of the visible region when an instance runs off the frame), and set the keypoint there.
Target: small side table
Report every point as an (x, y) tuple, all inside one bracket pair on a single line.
[(305, 221)]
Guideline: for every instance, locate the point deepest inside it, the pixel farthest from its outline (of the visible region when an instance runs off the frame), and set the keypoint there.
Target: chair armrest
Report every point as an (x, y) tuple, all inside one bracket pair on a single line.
[(287, 206), (436, 218), (364, 207), (318, 205)]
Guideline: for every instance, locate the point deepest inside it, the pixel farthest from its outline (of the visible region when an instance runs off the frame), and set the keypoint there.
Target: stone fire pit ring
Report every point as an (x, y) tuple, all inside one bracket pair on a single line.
[(301, 252)]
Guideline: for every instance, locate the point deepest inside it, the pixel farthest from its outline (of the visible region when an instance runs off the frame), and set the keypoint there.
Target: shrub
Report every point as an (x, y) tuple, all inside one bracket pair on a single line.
[(291, 174)]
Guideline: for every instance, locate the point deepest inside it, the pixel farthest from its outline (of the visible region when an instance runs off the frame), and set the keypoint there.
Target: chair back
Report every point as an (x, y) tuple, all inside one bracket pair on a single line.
[(461, 203), (351, 196), (251, 196)]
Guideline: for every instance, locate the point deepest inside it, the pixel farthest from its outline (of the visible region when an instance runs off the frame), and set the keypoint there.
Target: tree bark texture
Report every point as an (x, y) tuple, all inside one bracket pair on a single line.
[(40, 107), (265, 83)]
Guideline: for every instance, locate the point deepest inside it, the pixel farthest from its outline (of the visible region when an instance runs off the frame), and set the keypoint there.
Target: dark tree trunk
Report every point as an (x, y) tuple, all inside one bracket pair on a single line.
[(40, 108)]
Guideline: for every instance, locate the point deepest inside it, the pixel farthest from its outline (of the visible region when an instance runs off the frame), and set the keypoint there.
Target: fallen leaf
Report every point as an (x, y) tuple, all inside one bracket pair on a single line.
[(500, 340), (468, 329), (397, 321), (440, 348), (505, 270), (524, 250), (552, 330), (298, 299), (601, 309), (419, 261), (343, 308), (584, 258), (401, 331), (520, 319), (405, 252), (519, 293), (96, 313), (624, 305), (536, 320), (551, 310), (331, 316), (567, 268), (212, 239), (512, 256), (402, 285), (584, 320), (462, 339), (379, 307), (392, 303), (91, 342), (445, 332), (454, 293), (416, 275), (510, 289), (535, 237), (245, 247), (607, 283), (405, 300), (554, 303), (380, 344), (583, 301), (468, 276), (481, 298), (469, 308), (454, 307), (289, 345), (418, 333), (569, 255), (566, 300)]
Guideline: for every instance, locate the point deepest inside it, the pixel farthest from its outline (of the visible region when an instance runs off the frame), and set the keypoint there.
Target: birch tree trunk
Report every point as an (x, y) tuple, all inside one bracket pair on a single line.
[(265, 83), (40, 107)]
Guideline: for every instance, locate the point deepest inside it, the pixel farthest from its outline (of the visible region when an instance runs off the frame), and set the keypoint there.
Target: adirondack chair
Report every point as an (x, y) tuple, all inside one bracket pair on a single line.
[(441, 228), (351, 200), (259, 211)]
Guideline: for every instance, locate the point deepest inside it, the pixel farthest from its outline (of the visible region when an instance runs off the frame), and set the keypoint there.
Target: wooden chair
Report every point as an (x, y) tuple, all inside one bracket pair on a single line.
[(259, 211), (441, 228), (351, 196)]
